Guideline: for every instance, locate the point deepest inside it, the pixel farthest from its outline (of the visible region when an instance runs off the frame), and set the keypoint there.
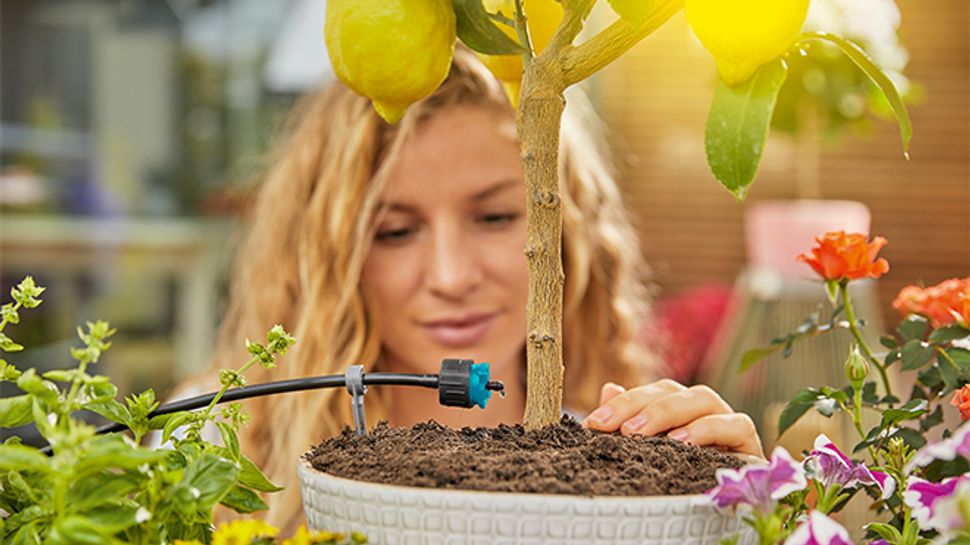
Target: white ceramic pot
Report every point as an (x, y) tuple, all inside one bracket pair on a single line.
[(397, 515)]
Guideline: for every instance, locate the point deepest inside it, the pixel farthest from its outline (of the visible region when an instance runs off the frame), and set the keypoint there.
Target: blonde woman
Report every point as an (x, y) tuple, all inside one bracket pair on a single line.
[(397, 246)]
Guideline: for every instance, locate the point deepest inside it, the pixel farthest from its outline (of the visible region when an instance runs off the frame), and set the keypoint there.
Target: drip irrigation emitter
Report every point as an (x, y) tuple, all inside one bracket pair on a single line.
[(460, 383)]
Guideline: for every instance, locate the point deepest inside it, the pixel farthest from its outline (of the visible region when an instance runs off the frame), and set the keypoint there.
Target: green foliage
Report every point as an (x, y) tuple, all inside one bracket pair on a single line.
[(105, 488), (861, 59), (737, 126), (476, 29)]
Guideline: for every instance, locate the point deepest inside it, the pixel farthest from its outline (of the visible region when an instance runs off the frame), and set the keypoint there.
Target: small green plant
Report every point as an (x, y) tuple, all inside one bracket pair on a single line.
[(106, 488)]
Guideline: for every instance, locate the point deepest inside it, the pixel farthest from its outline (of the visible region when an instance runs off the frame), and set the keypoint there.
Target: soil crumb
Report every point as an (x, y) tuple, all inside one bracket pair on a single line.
[(562, 459)]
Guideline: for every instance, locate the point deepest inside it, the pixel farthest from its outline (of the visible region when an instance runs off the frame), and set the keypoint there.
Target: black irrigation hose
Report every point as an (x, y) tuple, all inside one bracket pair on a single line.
[(279, 387)]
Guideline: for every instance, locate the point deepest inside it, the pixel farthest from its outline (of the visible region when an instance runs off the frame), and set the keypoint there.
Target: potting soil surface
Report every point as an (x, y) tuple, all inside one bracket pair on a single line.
[(562, 459)]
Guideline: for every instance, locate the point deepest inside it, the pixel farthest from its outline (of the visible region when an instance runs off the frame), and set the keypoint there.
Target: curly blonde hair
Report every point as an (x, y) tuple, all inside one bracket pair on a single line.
[(310, 231)]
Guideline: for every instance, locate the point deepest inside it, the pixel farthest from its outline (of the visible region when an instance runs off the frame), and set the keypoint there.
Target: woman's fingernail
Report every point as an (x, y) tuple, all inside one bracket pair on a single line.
[(601, 415), (635, 423), (679, 435)]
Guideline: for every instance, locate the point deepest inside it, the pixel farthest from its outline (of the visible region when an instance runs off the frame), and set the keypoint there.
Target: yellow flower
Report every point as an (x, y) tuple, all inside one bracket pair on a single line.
[(242, 532), (302, 536)]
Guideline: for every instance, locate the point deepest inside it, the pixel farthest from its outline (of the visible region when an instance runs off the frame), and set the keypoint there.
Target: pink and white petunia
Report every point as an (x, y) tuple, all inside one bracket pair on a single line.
[(819, 530), (937, 505), (948, 449), (758, 487), (829, 466)]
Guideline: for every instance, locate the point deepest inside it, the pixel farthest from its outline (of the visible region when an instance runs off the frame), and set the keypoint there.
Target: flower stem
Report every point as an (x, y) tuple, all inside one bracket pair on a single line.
[(522, 28), (223, 390), (854, 327)]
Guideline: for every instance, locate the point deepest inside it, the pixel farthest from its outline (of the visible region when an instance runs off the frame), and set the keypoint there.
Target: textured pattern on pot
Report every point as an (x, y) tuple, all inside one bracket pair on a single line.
[(397, 515)]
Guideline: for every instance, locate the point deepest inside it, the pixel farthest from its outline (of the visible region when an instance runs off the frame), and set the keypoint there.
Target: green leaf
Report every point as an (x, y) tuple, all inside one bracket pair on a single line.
[(914, 409), (476, 30), (174, 422), (112, 451), (949, 373), (112, 410), (888, 342), (16, 486), (243, 500), (800, 404), (911, 437), (252, 477), (878, 77), (885, 531), (229, 438), (8, 345), (916, 354), (79, 530), (15, 411), (737, 126), (101, 488), (208, 479), (949, 333), (755, 355), (932, 420), (117, 516), (44, 390), (913, 327), (21, 458), (960, 356)]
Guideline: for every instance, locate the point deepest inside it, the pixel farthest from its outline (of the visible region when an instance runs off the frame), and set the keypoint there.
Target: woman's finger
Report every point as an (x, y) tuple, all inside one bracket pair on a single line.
[(735, 432), (609, 391), (675, 410), (618, 410)]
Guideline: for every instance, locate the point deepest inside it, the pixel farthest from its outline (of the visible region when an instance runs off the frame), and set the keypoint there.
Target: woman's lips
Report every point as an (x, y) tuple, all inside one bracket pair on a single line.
[(460, 332)]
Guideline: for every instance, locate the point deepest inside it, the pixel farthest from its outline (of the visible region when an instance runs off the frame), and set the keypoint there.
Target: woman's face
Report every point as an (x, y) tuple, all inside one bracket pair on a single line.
[(446, 270)]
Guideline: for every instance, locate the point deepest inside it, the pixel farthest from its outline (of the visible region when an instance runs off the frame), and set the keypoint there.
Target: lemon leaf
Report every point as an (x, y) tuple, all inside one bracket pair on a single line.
[(476, 30), (737, 126), (865, 63)]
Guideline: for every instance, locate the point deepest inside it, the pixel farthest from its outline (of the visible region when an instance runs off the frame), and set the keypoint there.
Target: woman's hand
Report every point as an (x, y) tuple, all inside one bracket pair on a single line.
[(697, 415)]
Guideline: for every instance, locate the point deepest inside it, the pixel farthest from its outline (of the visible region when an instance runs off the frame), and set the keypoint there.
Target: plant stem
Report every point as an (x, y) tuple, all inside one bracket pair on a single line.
[(600, 50), (222, 391), (854, 327), (945, 356), (522, 29)]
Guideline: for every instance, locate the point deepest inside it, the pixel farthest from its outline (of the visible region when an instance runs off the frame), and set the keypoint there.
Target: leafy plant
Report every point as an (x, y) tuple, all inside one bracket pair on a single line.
[(921, 488), (105, 488)]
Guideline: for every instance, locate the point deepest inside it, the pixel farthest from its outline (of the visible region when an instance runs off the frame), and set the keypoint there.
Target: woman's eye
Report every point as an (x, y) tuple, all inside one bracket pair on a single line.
[(496, 220), (395, 235)]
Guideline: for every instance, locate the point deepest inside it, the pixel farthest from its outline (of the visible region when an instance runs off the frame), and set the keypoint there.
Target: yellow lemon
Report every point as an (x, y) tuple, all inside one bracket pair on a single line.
[(542, 18), (394, 52), (744, 34)]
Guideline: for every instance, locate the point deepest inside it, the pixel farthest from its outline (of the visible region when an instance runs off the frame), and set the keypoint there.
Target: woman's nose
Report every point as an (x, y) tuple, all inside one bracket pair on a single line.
[(453, 270)]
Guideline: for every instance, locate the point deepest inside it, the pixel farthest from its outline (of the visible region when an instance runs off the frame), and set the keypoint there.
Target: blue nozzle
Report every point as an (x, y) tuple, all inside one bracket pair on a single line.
[(478, 393)]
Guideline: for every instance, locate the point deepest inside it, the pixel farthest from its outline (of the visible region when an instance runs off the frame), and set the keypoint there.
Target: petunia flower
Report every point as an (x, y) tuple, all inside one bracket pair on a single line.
[(819, 530), (838, 256), (829, 466), (758, 487), (957, 444), (937, 505)]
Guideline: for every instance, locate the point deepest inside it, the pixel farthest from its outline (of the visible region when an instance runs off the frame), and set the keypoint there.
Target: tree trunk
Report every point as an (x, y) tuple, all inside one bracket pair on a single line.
[(540, 113)]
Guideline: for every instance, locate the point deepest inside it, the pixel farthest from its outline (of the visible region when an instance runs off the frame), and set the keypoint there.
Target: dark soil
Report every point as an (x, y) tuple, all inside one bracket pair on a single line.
[(562, 459)]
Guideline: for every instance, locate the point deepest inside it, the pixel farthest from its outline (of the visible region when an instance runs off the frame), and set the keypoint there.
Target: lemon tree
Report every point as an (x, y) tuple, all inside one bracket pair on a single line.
[(396, 52)]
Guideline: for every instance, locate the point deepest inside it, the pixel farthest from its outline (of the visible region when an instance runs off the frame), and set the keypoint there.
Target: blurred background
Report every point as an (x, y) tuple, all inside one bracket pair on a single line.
[(132, 132)]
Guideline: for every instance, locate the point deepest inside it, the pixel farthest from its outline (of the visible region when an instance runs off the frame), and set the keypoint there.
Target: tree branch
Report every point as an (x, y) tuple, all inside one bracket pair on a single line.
[(574, 15), (584, 60)]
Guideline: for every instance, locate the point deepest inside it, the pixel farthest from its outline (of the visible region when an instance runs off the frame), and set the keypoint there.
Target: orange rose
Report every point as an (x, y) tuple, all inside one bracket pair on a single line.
[(945, 303), (961, 400), (839, 255)]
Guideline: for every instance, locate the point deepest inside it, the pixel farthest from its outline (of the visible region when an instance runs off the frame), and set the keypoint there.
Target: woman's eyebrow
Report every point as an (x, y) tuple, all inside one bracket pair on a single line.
[(497, 187)]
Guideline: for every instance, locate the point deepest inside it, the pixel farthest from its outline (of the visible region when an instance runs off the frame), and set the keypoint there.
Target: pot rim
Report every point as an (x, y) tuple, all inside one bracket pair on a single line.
[(305, 470)]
